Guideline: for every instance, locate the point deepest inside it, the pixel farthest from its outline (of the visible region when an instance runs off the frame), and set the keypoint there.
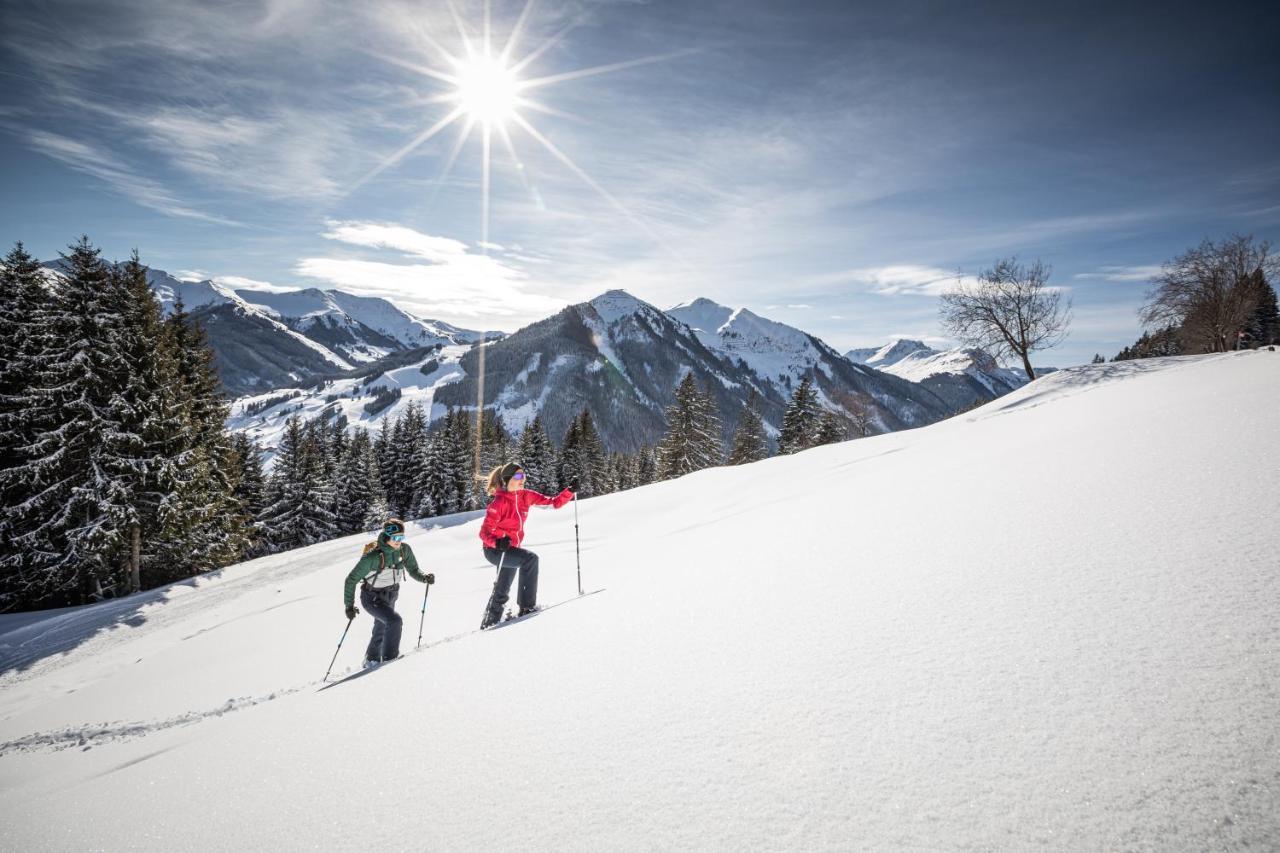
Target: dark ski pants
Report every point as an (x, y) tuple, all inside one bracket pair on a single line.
[(387, 625), (512, 560)]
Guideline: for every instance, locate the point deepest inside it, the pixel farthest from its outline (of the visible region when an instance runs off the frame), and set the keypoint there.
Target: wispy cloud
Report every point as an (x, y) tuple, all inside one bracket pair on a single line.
[(100, 164), (444, 279), (894, 279), (239, 282), (1122, 273), (381, 235)]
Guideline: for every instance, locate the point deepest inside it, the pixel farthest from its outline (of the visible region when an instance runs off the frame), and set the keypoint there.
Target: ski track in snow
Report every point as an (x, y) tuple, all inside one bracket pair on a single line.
[(85, 737)]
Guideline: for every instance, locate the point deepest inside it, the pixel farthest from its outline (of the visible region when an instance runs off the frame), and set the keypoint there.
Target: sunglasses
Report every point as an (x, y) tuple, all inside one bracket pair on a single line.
[(519, 475)]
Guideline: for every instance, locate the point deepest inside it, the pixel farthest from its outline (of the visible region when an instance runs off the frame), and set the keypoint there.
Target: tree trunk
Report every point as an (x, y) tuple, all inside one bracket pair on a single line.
[(1026, 364), (135, 559)]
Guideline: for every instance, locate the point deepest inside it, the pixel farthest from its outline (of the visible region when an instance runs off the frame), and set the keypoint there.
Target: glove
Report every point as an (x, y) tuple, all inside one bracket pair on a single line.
[(502, 544), (570, 493), (431, 579), (351, 612)]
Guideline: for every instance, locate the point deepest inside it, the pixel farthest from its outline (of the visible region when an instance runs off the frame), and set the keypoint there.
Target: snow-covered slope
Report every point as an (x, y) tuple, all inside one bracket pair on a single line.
[(798, 654), (363, 328), (264, 416)]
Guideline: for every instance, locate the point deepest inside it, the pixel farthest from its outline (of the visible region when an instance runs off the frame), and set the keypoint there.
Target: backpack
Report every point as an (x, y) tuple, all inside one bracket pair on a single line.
[(382, 561)]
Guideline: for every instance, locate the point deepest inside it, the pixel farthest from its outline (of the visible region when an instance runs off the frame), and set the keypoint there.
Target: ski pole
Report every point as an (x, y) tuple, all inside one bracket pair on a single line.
[(335, 654), (577, 548), (430, 580)]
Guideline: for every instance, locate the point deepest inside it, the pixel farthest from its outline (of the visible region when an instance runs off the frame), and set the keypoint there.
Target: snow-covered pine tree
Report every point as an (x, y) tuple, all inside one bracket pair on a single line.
[(800, 420), (206, 509), (621, 472), (460, 450), (300, 513), (644, 466), (23, 323), (409, 453), (251, 491), (592, 456), (829, 430), (538, 456), (69, 524), (567, 460), (382, 450), (750, 443), (146, 413), (582, 458), (495, 446), (438, 494), (359, 487), (692, 440)]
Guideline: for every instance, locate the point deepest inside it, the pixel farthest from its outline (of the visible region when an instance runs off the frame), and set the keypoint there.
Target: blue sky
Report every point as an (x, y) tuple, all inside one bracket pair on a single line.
[(829, 165)]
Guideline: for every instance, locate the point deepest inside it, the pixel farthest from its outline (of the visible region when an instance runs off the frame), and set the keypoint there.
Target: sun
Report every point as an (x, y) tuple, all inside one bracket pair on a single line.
[(487, 90)]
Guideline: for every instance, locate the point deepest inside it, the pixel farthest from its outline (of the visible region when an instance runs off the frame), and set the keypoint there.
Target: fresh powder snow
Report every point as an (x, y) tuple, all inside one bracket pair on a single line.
[(1049, 623)]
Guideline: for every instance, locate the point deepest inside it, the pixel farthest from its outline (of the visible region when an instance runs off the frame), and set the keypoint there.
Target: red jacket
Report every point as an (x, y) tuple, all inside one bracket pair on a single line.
[(508, 510)]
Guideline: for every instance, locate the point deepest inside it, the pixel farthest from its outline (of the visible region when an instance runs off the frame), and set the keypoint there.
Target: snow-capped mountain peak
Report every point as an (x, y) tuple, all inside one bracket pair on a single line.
[(703, 315), (895, 351), (613, 305)]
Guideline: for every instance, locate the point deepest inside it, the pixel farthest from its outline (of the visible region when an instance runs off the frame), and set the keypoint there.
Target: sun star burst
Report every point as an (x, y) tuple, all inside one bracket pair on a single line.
[(488, 90)]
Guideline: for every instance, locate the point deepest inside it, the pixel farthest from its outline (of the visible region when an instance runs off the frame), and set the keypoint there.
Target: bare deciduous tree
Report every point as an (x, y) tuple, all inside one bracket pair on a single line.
[(1210, 292), (1010, 311)]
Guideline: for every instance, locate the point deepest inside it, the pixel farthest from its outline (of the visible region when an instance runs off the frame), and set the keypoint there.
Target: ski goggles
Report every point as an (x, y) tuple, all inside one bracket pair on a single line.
[(396, 537)]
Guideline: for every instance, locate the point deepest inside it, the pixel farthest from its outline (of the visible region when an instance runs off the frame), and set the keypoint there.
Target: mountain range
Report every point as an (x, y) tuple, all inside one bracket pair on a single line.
[(263, 340), (622, 358), (331, 353)]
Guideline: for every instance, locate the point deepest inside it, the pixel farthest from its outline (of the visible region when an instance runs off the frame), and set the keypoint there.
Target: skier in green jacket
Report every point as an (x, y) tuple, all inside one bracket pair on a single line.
[(379, 572)]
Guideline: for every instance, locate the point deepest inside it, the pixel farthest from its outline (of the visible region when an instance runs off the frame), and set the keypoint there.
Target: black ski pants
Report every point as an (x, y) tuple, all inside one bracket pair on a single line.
[(387, 624), (512, 560)]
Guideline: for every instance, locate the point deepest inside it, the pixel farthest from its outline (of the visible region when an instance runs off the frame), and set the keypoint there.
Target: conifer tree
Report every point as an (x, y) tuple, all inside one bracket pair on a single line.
[(800, 420), (24, 303), (1264, 324), (206, 509), (70, 521), (382, 450), (645, 466), (460, 452), (251, 490), (359, 487), (538, 456), (750, 443), (300, 514), (582, 458), (829, 430), (692, 440)]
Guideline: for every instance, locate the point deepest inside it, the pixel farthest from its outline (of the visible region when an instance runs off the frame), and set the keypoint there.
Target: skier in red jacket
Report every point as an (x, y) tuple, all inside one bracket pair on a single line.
[(503, 531)]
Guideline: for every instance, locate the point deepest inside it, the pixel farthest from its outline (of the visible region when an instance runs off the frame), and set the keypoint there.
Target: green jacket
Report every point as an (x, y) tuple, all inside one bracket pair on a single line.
[(390, 559)]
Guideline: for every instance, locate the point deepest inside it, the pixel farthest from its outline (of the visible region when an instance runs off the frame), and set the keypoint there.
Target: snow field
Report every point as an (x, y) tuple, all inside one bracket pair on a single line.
[(1047, 624)]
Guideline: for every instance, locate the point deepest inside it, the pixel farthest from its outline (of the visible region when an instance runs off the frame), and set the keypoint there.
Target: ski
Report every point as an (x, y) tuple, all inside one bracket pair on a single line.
[(361, 673), (543, 609)]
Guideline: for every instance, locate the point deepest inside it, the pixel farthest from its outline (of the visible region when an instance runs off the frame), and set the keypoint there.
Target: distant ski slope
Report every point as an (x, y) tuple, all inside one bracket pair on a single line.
[(1047, 624)]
